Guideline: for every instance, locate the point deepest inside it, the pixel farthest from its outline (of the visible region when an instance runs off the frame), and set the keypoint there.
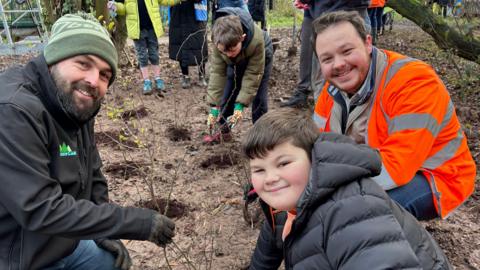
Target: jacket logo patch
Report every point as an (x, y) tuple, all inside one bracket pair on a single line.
[(66, 151)]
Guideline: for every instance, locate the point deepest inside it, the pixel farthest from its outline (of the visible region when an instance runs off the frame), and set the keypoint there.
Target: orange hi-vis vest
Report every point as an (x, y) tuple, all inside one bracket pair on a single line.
[(376, 3), (413, 124)]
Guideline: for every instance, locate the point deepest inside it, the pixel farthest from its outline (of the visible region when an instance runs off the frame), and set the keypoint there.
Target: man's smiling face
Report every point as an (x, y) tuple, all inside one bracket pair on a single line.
[(343, 56), (82, 82)]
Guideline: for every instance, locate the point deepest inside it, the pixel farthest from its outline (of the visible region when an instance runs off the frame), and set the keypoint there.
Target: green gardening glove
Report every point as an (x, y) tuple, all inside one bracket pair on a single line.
[(213, 117), (236, 116)]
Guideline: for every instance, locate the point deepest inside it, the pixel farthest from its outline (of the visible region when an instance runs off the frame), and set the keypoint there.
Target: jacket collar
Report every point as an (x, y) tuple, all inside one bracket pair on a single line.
[(336, 161)]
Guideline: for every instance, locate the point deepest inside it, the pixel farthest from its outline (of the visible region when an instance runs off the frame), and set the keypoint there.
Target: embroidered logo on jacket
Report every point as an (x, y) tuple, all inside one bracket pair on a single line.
[(66, 151)]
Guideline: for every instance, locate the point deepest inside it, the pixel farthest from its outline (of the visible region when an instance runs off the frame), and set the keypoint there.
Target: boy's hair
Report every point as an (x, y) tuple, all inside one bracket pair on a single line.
[(279, 126), (331, 18), (227, 30)]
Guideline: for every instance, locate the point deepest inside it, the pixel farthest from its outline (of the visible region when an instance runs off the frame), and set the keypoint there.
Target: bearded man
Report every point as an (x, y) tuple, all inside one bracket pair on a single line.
[(54, 207)]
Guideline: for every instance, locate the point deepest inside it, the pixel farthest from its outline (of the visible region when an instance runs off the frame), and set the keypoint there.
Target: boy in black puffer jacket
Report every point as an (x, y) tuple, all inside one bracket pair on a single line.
[(323, 211)]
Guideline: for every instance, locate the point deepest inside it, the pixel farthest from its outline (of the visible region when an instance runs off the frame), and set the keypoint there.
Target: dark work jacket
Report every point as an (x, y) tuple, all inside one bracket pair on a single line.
[(187, 36), (53, 193), (345, 220), (318, 8), (257, 10)]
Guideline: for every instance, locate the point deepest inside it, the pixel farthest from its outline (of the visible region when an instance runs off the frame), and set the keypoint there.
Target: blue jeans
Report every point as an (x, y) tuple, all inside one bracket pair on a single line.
[(375, 15), (87, 256), (416, 197), (146, 48)]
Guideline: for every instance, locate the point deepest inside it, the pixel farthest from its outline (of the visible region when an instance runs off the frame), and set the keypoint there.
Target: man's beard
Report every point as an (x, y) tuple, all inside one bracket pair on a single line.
[(65, 94)]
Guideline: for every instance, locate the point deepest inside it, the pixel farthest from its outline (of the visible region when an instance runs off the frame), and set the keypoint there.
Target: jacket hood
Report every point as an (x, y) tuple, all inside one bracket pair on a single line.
[(336, 161), (247, 21), (38, 75)]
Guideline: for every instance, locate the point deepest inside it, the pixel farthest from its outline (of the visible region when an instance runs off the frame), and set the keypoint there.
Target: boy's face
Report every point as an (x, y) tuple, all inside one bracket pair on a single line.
[(233, 51), (281, 176)]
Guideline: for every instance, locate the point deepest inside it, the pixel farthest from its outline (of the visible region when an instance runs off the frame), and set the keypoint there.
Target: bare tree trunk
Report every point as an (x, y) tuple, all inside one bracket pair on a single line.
[(464, 45), (101, 10), (120, 39), (48, 7)]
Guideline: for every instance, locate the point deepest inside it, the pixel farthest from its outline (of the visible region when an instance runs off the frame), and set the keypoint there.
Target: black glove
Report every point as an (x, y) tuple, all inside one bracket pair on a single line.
[(162, 230), (116, 247)]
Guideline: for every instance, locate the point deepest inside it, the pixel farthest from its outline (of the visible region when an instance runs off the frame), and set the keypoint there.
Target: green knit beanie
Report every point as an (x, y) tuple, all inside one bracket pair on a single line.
[(81, 33)]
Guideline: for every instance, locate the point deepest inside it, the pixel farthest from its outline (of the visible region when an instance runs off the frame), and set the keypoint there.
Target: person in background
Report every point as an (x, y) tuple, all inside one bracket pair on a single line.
[(322, 209), (188, 39), (217, 4), (398, 105), (144, 27), (257, 10), (56, 213), (375, 12)]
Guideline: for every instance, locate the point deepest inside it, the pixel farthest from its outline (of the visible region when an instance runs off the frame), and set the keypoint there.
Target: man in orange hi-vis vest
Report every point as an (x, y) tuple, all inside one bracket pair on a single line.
[(399, 106)]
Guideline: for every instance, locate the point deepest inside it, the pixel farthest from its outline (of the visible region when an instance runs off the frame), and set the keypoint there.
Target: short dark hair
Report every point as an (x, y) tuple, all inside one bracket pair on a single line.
[(228, 31), (279, 126), (331, 18)]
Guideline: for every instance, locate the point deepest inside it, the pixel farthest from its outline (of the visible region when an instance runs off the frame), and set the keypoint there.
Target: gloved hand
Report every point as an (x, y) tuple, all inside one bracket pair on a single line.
[(213, 117), (112, 9), (117, 248), (162, 230), (236, 116), (301, 5)]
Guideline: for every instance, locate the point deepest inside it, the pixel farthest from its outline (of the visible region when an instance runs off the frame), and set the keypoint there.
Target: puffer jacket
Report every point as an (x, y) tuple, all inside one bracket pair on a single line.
[(53, 192), (255, 48), (345, 220)]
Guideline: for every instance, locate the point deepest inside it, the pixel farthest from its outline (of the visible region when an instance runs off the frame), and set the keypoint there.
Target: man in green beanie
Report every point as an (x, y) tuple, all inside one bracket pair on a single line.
[(54, 207)]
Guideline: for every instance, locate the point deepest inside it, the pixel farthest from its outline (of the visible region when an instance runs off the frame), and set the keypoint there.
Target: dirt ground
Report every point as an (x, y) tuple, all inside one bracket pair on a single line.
[(151, 146)]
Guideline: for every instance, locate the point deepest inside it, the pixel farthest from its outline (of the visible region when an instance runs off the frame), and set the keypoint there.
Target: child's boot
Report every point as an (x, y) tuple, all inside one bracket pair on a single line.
[(159, 84), (202, 81), (147, 87), (186, 82)]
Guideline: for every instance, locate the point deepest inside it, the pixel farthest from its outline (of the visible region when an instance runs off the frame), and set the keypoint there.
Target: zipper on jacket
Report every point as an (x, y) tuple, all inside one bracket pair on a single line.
[(81, 158)]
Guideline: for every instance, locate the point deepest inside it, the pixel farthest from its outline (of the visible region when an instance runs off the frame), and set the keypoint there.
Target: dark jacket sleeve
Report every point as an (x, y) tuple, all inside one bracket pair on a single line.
[(38, 203), (266, 255), (366, 235)]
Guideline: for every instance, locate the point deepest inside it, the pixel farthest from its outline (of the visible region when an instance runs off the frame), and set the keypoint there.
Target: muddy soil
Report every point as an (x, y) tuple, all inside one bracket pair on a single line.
[(153, 145)]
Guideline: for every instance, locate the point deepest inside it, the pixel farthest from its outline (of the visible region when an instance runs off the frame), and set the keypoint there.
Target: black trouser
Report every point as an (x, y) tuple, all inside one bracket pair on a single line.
[(306, 54)]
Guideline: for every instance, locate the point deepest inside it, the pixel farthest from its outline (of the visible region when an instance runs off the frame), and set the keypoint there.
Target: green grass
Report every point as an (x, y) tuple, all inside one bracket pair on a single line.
[(276, 19), (282, 14)]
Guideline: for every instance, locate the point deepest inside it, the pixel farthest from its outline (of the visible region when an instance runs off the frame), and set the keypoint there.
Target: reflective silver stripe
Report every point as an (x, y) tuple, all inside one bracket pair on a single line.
[(320, 121), (448, 115), (436, 194), (446, 153), (394, 68), (385, 180), (414, 121)]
